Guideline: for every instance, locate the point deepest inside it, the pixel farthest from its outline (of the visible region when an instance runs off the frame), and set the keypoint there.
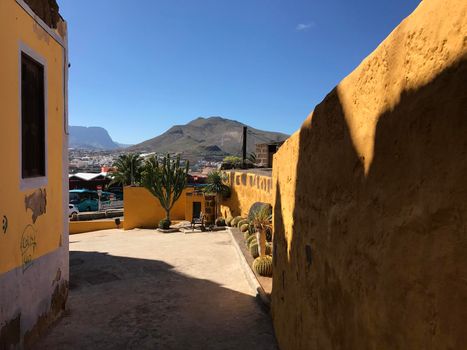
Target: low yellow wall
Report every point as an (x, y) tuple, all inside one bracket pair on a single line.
[(88, 226), (143, 210), (247, 188)]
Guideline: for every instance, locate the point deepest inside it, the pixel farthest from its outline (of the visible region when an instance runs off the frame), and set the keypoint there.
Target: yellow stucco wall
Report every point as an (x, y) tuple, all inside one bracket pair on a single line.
[(24, 239), (246, 189), (225, 211), (190, 198), (370, 202), (143, 210), (94, 225)]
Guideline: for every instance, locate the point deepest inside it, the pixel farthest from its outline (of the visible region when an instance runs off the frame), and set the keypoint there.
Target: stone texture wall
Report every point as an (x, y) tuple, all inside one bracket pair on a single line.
[(370, 213)]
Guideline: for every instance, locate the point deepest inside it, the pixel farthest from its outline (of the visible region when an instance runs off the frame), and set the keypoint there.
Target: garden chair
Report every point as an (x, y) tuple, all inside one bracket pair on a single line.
[(198, 221)]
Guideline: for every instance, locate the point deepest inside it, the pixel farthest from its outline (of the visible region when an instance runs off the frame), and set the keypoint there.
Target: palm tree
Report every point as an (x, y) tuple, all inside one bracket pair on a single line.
[(128, 169), (217, 186), (252, 157), (166, 180)]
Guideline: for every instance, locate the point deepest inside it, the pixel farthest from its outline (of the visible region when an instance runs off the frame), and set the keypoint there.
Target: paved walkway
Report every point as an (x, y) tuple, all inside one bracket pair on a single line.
[(141, 289)]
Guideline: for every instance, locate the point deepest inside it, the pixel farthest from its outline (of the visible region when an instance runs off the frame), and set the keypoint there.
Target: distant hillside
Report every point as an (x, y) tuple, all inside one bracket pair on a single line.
[(212, 137), (92, 137)]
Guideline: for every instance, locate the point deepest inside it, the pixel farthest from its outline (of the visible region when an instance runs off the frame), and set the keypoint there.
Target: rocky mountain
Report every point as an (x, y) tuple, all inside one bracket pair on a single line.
[(92, 137), (212, 137)]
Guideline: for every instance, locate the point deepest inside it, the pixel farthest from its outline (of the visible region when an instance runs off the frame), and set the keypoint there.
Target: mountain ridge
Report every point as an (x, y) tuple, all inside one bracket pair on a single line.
[(91, 137), (210, 137)]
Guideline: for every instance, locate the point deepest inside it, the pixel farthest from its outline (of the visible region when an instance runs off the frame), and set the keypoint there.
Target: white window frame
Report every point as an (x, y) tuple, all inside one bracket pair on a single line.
[(39, 181)]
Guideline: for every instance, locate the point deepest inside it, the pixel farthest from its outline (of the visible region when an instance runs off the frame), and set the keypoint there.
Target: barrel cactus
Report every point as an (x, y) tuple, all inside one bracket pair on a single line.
[(220, 222), (263, 265), (250, 239), (244, 228), (251, 229), (235, 221), (228, 220), (254, 249), (247, 235), (258, 206), (242, 222), (268, 249)]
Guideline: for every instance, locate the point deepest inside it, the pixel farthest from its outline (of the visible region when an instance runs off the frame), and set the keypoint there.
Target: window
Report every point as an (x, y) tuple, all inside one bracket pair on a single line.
[(32, 118)]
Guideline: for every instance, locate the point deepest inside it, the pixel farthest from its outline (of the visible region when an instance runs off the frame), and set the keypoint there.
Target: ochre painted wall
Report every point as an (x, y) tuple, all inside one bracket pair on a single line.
[(190, 198), (43, 235), (225, 211), (143, 210), (370, 209), (246, 189), (93, 225), (33, 224)]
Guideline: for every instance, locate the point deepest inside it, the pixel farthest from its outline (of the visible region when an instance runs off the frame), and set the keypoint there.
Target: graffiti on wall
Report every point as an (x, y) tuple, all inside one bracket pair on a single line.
[(4, 224), (28, 245)]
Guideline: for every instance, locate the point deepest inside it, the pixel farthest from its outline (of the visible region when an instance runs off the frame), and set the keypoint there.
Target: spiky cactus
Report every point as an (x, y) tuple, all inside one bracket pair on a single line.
[(244, 228), (220, 222), (165, 179), (246, 235), (235, 221), (228, 220), (268, 250), (242, 222), (250, 239), (263, 265), (254, 249)]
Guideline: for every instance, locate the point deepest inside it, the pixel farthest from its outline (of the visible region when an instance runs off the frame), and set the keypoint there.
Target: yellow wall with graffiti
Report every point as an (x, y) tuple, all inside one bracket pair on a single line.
[(22, 237), (246, 189)]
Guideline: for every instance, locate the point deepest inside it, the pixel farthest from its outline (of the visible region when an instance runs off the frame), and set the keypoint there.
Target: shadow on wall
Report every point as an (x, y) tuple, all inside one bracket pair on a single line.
[(389, 249), (128, 303)]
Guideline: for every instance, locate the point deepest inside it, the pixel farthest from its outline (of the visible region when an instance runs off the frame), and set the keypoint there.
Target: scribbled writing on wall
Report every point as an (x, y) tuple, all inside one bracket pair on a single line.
[(28, 246), (37, 202), (4, 224)]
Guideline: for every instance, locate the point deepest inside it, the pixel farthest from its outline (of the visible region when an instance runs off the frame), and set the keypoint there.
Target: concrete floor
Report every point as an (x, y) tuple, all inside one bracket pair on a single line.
[(141, 289)]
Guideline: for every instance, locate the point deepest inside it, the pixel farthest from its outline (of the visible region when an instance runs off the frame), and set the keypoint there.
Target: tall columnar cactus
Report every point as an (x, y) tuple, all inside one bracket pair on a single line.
[(165, 179), (263, 265)]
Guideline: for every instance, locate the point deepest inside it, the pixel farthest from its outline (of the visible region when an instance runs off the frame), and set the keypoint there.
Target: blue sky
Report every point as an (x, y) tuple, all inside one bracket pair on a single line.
[(139, 67)]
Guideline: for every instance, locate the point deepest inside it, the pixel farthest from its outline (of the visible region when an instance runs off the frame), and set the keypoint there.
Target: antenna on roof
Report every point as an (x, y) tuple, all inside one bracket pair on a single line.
[(244, 146)]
